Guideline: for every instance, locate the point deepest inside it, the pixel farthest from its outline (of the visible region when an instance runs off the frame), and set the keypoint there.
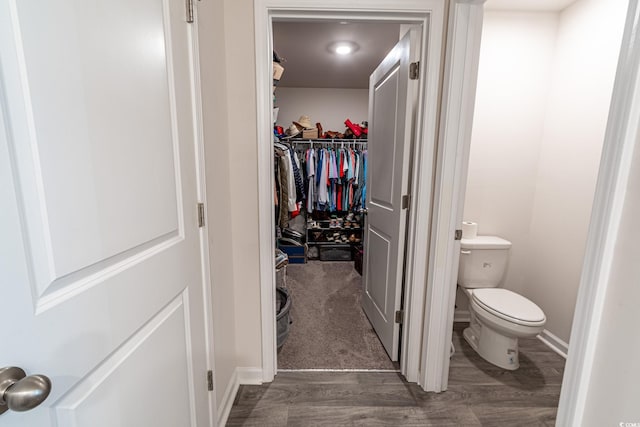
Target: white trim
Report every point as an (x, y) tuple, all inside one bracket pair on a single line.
[(623, 130), (228, 398), (264, 57), (240, 376), (421, 182), (249, 376), (201, 188), (554, 343), (458, 99), (428, 13), (341, 370), (461, 316)]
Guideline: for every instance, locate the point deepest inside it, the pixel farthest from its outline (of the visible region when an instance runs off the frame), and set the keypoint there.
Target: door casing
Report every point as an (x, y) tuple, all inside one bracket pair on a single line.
[(431, 15)]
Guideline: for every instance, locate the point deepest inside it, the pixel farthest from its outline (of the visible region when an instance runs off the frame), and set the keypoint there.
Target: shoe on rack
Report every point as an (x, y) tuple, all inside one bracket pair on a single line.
[(282, 259)]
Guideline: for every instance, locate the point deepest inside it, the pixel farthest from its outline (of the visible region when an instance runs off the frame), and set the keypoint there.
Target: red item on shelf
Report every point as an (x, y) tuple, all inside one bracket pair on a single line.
[(356, 129)]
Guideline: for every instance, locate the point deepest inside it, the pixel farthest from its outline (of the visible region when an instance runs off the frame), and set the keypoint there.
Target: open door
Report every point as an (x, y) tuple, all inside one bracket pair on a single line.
[(100, 263), (391, 116)]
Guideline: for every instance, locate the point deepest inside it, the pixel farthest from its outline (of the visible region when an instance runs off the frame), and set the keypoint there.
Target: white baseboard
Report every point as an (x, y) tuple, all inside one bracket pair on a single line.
[(228, 398), (461, 316), (249, 376), (241, 376), (554, 343)]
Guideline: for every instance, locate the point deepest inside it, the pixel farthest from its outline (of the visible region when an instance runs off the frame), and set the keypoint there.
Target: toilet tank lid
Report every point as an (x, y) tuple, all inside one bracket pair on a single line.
[(485, 242)]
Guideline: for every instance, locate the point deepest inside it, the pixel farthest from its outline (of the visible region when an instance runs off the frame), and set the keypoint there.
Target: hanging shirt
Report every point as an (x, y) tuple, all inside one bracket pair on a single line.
[(358, 194), (292, 184), (356, 174), (333, 168), (351, 168), (297, 175), (311, 172), (323, 192), (282, 175), (364, 173)]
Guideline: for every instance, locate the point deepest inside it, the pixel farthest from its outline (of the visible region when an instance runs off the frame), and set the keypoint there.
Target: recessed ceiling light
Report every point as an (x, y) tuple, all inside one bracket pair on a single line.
[(343, 48)]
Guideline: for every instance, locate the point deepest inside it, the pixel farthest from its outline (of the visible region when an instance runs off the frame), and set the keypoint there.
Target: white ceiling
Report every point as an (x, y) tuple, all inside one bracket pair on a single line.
[(528, 5), (309, 63)]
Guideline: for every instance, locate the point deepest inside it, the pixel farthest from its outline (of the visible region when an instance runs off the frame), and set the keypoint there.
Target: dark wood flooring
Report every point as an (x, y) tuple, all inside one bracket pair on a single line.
[(479, 394)]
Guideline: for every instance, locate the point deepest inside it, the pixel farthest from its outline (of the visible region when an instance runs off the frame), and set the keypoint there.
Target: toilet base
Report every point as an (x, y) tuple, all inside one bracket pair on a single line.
[(494, 347)]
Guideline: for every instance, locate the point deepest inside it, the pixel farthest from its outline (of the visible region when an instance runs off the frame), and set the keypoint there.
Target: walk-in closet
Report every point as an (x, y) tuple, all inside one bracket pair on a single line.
[(321, 181)]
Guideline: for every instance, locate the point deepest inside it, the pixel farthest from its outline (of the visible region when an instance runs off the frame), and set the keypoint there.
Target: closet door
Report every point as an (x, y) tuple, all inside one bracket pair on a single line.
[(100, 268), (390, 122)]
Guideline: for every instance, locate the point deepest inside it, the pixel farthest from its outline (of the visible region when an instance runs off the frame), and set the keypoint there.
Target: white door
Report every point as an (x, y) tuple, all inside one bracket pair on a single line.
[(100, 272), (390, 116)]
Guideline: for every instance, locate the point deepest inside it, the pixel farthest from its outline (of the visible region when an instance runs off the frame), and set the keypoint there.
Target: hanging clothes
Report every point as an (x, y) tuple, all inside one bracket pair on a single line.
[(335, 179), (310, 160), (297, 175), (359, 194), (282, 186), (323, 180)]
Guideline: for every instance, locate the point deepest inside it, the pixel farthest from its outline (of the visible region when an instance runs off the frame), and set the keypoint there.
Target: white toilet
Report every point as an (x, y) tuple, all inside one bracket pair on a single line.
[(498, 316)]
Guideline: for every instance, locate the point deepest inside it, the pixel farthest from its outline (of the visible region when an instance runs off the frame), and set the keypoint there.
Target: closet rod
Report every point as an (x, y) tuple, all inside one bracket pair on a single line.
[(326, 141)]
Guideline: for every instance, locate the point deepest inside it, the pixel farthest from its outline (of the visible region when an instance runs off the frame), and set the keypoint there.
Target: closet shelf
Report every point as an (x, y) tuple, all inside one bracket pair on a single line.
[(338, 244), (335, 228)]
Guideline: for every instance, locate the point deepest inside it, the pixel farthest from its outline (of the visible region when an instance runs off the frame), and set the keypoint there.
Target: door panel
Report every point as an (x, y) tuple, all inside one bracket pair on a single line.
[(107, 91), (385, 121), (379, 266), (110, 395), (99, 262), (390, 114)]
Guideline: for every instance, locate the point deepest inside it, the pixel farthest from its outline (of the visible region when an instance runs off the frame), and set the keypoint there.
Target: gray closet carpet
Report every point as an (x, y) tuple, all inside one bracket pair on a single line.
[(329, 330)]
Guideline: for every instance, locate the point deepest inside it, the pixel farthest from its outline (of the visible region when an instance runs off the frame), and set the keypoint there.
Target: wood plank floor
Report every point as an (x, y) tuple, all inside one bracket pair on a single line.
[(479, 394)]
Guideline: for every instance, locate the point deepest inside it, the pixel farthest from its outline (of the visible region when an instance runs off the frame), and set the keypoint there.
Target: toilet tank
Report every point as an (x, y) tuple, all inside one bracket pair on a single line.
[(483, 261)]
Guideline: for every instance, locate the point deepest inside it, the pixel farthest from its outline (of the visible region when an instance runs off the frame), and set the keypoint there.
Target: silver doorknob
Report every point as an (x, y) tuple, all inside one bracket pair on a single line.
[(20, 392)]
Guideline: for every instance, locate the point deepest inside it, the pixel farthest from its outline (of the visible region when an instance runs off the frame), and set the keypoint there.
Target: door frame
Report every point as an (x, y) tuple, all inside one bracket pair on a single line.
[(201, 191), (458, 101), (432, 15), (621, 136), (623, 130)]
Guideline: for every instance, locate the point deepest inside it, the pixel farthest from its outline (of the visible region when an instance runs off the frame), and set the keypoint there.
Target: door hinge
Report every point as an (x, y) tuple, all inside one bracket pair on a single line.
[(458, 235), (200, 215), (414, 70), (189, 6), (406, 201), (399, 316), (210, 380)]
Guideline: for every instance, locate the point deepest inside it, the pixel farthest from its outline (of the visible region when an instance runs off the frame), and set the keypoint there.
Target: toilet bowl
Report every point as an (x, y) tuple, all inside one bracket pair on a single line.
[(499, 317)]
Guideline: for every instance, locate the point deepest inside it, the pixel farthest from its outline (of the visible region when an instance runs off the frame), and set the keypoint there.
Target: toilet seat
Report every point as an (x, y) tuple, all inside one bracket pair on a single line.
[(509, 306)]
